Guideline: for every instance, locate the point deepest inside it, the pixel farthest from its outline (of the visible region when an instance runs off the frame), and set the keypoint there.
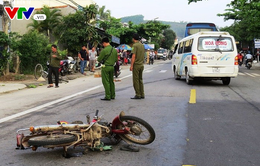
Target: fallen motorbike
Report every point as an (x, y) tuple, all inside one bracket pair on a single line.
[(128, 128)]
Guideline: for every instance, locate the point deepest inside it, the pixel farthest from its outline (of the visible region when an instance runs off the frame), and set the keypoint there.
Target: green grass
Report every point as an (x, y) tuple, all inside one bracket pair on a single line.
[(32, 86)]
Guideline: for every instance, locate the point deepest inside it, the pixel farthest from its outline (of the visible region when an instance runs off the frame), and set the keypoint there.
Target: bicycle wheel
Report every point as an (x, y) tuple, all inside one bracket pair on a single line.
[(38, 71)]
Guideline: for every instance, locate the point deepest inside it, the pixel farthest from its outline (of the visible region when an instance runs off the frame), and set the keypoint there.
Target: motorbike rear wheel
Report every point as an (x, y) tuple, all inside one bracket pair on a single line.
[(141, 132), (51, 140)]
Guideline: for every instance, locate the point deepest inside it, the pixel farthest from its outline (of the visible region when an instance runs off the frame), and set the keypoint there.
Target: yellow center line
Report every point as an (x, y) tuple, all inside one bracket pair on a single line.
[(192, 96)]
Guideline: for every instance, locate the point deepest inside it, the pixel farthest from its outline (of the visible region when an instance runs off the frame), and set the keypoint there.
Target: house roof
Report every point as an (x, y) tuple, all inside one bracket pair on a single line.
[(52, 3)]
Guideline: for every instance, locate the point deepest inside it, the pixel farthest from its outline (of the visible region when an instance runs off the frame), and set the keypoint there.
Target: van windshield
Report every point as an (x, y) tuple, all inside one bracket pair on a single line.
[(196, 30), (215, 44)]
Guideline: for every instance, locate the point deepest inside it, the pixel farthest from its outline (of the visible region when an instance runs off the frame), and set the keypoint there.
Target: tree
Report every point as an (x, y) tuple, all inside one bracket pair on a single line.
[(190, 1), (152, 30), (14, 51), (169, 38), (246, 13), (104, 14), (78, 29), (246, 25), (33, 49), (47, 26), (4, 41)]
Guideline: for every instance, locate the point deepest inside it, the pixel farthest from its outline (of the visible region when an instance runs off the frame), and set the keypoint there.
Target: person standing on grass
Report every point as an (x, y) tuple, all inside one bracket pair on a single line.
[(54, 60)]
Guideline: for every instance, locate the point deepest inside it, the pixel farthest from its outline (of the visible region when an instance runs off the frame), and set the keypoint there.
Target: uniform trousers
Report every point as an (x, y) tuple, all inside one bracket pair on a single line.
[(107, 74), (138, 80)]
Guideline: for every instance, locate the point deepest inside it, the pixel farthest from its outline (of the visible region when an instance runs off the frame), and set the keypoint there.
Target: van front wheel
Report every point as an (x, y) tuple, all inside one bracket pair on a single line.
[(226, 81), (176, 76)]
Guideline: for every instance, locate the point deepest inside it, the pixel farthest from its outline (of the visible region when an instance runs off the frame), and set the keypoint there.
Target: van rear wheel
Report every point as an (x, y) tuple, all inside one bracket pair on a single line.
[(188, 80), (226, 81)]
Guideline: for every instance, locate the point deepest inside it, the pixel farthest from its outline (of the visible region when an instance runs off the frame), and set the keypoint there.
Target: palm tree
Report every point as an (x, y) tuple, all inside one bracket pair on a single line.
[(104, 14), (53, 18)]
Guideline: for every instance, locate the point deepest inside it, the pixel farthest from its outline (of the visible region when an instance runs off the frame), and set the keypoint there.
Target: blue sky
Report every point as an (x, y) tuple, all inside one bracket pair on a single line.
[(169, 10)]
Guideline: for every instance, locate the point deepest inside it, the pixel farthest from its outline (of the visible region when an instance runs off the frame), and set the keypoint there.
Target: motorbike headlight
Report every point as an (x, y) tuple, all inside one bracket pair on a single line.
[(32, 129)]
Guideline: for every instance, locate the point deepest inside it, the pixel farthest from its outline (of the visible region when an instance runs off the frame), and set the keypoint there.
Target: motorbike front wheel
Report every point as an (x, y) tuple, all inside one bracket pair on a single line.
[(51, 140), (140, 131)]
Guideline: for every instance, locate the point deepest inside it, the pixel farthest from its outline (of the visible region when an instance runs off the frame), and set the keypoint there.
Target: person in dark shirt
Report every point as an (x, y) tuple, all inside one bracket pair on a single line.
[(54, 60), (83, 56)]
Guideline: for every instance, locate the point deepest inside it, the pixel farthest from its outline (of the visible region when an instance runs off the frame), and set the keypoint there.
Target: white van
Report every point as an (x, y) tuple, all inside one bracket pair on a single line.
[(207, 55)]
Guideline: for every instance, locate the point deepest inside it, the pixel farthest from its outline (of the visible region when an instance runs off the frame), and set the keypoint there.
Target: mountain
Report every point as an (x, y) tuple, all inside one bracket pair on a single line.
[(177, 27)]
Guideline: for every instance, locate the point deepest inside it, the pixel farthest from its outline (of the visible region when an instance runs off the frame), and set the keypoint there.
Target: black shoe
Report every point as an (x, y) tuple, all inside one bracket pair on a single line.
[(105, 99), (135, 97), (142, 97), (56, 86), (112, 98)]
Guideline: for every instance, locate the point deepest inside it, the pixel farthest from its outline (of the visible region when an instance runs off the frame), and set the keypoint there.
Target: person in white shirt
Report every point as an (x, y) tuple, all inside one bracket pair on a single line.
[(248, 57), (151, 57), (92, 59)]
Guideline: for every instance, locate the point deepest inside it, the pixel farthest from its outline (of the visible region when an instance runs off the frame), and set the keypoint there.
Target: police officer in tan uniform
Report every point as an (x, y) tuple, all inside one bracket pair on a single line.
[(137, 67)]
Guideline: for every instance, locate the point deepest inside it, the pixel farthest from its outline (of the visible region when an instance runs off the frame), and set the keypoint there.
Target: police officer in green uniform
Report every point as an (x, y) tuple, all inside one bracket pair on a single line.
[(109, 56), (54, 61), (137, 67)]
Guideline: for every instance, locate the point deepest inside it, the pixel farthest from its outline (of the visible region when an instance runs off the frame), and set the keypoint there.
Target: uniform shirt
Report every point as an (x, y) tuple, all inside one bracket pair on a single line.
[(55, 62), (249, 56), (83, 54), (138, 50), (92, 55), (111, 58)]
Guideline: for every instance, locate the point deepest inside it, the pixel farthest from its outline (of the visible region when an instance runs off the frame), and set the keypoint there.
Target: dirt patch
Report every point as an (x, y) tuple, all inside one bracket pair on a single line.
[(17, 78)]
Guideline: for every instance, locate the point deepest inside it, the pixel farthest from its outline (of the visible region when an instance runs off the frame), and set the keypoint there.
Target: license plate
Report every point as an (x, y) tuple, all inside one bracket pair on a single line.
[(216, 70)]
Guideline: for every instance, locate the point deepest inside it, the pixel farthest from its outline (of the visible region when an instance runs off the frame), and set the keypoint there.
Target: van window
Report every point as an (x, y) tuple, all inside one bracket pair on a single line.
[(180, 48), (192, 28), (215, 44), (188, 45)]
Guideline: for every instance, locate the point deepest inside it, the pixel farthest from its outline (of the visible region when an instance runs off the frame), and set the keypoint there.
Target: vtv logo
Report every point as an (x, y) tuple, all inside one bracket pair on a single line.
[(19, 11)]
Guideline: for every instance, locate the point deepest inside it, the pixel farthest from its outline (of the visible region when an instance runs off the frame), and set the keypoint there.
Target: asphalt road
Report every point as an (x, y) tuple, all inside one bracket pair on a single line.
[(220, 129)]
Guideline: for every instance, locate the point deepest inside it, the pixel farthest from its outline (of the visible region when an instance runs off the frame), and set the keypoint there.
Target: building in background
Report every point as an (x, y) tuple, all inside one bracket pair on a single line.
[(66, 7)]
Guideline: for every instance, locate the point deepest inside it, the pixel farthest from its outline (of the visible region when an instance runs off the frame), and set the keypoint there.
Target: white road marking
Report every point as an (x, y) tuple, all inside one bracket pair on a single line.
[(241, 74), (255, 74), (162, 71), (56, 101), (250, 74), (148, 71), (53, 102)]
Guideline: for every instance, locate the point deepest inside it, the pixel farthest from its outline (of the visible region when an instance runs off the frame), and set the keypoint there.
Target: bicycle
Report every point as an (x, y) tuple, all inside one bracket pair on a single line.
[(39, 72)]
